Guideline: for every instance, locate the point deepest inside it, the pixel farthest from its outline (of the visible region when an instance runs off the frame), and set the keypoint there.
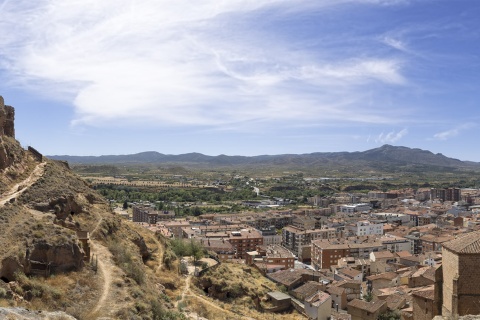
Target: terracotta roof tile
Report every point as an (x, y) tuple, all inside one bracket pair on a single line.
[(468, 243), (372, 306), (425, 292)]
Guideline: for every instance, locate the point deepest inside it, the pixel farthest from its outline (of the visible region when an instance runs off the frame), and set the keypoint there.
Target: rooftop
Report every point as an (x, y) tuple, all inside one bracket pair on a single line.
[(318, 298), (277, 295), (468, 243), (425, 292), (371, 307)]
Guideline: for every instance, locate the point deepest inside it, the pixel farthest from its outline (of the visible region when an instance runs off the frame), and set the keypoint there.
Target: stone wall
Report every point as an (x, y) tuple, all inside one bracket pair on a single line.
[(7, 119), (450, 271), (37, 155), (461, 283), (423, 309)]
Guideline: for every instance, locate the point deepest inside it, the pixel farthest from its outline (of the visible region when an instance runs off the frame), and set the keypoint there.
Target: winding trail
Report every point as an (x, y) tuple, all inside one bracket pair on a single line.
[(105, 266), (22, 186), (159, 253)]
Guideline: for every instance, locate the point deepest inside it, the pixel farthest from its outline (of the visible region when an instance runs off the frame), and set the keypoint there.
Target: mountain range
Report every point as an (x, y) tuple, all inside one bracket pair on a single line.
[(386, 157)]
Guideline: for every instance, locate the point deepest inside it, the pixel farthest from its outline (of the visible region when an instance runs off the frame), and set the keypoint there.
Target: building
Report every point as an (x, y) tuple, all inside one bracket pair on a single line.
[(326, 253), (363, 310), (318, 306), (395, 244), (270, 236), (304, 223), (339, 297), (352, 208), (367, 228), (244, 241), (224, 249), (280, 301), (424, 304), (461, 274), (294, 238), (271, 258), (432, 242), (175, 227), (382, 261), (449, 194), (148, 215), (392, 218)]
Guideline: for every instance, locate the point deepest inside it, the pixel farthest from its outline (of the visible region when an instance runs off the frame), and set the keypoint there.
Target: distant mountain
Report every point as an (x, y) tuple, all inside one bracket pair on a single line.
[(386, 158)]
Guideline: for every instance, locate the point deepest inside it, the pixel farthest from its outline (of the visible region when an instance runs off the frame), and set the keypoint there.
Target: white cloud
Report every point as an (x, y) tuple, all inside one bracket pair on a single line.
[(391, 137), (177, 64), (395, 43), (445, 135)]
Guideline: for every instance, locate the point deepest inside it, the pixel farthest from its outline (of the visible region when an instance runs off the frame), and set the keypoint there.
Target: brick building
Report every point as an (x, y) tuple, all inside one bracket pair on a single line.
[(150, 215), (293, 238), (271, 256), (461, 275), (326, 253), (243, 240)]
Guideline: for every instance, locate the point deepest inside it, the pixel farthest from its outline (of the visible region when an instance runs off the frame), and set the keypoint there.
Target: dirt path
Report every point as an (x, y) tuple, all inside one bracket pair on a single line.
[(158, 253), (105, 266), (100, 220), (21, 186), (184, 292)]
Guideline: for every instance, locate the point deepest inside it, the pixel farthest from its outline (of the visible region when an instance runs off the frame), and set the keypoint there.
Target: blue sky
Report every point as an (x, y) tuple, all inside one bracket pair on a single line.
[(242, 77)]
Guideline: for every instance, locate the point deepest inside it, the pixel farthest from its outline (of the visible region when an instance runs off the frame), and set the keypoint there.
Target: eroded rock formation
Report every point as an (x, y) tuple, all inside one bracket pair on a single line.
[(7, 119)]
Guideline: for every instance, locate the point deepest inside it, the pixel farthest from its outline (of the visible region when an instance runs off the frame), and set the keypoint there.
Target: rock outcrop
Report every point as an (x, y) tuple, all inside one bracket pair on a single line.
[(7, 119), (64, 257), (24, 314), (7, 129)]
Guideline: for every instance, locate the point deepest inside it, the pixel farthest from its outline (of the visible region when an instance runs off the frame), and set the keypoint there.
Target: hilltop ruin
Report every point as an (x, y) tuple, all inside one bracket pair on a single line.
[(7, 119)]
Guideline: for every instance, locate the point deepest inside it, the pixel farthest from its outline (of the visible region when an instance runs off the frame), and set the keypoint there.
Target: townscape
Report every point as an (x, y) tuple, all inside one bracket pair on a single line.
[(352, 256), (239, 250), (239, 160)]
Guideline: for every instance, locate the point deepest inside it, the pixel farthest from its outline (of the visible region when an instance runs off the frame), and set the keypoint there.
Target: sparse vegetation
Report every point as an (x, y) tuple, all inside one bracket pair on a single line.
[(125, 259)]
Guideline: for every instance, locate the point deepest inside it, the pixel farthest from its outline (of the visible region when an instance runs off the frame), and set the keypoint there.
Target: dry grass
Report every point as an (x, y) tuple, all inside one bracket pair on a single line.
[(241, 284)]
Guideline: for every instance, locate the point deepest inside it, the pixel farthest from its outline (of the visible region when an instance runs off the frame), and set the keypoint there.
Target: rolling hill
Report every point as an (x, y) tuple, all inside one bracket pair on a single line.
[(385, 158)]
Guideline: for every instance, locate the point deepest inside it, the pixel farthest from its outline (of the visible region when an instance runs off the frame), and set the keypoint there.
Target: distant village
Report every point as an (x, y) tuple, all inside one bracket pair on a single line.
[(352, 256)]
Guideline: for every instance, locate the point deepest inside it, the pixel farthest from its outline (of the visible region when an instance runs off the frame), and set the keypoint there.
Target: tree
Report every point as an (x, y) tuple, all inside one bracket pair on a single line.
[(125, 205), (196, 211), (389, 315), (196, 250), (368, 297)]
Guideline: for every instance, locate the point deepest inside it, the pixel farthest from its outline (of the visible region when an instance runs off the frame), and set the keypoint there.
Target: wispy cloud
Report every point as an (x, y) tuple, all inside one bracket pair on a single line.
[(445, 135), (391, 137), (395, 43), (172, 63)]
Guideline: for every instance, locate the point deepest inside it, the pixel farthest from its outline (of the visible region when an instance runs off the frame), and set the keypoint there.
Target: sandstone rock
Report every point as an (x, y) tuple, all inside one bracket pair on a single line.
[(140, 243), (64, 206), (7, 119), (24, 314), (5, 159), (8, 268), (60, 258)]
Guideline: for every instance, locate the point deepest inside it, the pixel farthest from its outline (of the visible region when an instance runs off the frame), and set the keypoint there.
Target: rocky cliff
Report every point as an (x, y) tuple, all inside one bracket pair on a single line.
[(7, 119)]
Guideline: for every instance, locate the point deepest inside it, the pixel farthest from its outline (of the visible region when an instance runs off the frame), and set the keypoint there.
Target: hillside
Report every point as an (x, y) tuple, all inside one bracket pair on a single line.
[(63, 248), (386, 158), (65, 254)]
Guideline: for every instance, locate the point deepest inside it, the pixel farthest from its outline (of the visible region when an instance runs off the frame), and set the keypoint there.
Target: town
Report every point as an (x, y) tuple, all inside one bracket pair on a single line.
[(409, 253)]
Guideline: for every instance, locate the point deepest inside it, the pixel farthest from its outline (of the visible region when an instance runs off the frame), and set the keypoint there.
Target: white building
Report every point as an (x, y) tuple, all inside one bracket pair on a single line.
[(366, 228), (358, 207), (391, 217), (318, 306), (396, 244)]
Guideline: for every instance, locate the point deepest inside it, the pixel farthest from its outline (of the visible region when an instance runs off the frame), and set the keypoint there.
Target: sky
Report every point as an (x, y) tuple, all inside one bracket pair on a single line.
[(251, 77)]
